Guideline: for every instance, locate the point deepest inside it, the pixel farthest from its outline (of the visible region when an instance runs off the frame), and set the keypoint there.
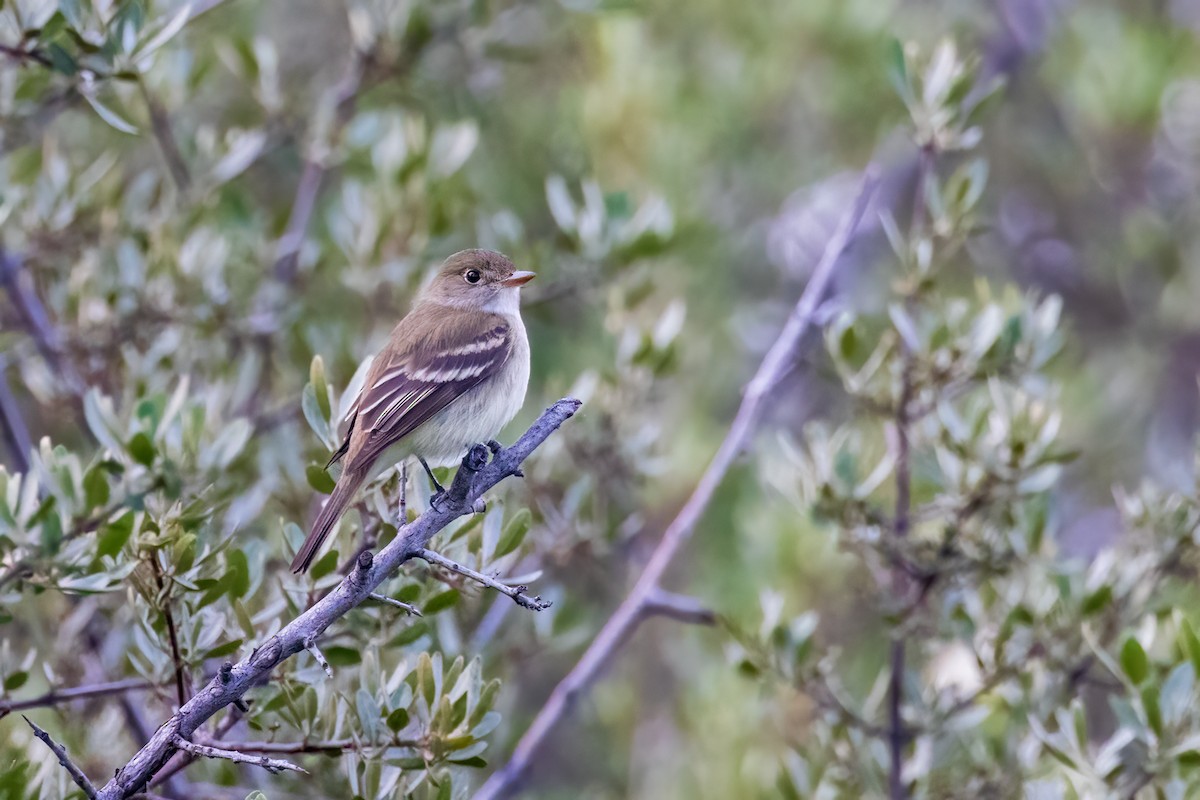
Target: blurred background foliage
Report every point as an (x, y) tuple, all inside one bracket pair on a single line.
[(212, 213)]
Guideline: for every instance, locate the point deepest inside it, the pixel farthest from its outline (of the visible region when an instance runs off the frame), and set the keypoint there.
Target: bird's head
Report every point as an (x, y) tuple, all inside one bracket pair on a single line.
[(480, 279)]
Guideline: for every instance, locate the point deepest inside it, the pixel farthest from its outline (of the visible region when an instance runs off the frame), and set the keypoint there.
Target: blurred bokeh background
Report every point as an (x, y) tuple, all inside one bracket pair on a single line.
[(273, 181)]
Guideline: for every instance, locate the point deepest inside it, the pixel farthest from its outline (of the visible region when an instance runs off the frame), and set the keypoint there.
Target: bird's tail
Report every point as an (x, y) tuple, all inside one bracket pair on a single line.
[(343, 493)]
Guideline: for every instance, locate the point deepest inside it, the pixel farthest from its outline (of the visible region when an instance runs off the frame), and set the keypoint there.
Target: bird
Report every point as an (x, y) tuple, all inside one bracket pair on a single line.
[(453, 373)]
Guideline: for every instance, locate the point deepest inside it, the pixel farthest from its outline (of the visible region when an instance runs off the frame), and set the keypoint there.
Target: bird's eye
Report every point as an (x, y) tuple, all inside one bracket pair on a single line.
[(472, 276)]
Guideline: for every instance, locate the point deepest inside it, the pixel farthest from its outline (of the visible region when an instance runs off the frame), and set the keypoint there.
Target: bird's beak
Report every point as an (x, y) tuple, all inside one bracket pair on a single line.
[(518, 278)]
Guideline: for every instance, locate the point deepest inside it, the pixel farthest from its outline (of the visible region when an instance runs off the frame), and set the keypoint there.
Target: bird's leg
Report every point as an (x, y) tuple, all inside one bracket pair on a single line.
[(496, 447), (439, 490), (403, 509)]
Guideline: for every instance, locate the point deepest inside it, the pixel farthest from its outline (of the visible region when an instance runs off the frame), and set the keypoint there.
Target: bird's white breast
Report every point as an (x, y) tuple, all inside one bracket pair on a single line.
[(481, 413)]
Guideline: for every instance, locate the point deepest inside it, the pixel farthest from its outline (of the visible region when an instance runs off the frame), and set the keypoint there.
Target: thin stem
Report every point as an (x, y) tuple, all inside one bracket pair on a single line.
[(391, 601), (272, 765), (57, 696), (777, 362), (517, 593), (164, 604), (897, 733), (160, 123), (334, 746), (12, 423)]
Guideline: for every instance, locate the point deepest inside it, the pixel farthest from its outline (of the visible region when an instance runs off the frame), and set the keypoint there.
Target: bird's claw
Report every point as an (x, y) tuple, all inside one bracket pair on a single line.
[(438, 497), (494, 446)]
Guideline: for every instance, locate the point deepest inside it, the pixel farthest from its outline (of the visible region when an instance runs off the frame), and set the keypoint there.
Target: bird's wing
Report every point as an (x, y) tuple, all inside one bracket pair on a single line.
[(405, 388)]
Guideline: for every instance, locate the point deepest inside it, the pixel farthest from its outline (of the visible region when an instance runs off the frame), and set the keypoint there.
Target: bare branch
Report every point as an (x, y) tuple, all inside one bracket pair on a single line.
[(679, 607), (333, 746), (163, 600), (517, 593), (23, 56), (77, 775), (475, 476), (272, 765), (777, 362), (311, 647), (897, 731), (160, 124), (287, 252), (12, 423), (391, 601), (57, 696), (19, 286)]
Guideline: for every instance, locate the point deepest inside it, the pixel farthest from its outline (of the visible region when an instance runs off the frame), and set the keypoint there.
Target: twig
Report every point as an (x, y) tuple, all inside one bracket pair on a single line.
[(287, 252), (775, 365), (17, 54), (679, 607), (15, 280), (517, 593), (897, 733), (182, 759), (12, 423), (315, 652), (160, 123), (272, 765), (164, 602), (334, 746), (475, 476), (77, 775), (56, 696), (391, 601)]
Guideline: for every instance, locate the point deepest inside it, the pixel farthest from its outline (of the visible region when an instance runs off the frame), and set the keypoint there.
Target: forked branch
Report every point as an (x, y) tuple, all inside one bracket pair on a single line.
[(645, 593), (475, 477)]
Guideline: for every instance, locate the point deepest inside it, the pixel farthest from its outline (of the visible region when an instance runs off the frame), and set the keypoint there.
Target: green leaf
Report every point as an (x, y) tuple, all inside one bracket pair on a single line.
[(1097, 600), (167, 32), (409, 634), (368, 712), (312, 414), (114, 535), (514, 532), (1190, 644), (897, 71), (237, 574), (338, 656), (15, 681), (316, 374), (142, 449), (1134, 660), (111, 117), (95, 488), (473, 761), (327, 564), (224, 649), (398, 719), (1153, 708), (440, 602), (319, 479), (243, 618)]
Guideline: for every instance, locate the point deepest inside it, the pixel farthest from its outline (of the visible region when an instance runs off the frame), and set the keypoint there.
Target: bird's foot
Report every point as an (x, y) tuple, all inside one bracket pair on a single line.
[(497, 449), (438, 498)]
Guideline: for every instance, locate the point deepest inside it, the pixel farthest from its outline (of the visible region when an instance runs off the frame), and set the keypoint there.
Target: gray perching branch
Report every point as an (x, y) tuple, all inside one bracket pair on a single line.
[(475, 476), (645, 598)]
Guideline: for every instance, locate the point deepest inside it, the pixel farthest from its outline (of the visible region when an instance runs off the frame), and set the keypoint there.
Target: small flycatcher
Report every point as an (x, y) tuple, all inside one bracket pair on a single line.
[(453, 373)]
